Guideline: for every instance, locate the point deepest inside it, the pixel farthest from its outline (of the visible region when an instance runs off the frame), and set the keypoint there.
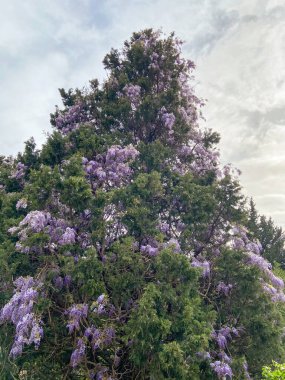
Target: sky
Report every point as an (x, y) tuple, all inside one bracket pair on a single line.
[(237, 45)]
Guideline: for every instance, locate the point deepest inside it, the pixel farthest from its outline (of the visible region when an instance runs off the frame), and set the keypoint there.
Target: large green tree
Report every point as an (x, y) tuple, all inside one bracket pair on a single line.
[(123, 254)]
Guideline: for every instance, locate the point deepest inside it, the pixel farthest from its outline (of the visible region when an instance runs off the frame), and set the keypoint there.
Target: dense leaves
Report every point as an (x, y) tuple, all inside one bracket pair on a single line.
[(127, 250)]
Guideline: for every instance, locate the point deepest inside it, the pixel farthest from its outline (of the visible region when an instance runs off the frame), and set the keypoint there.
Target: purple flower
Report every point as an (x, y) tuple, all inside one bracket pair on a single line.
[(149, 250), (112, 168), (109, 335), (174, 244), (67, 280), (101, 306), (246, 372), (78, 354), (133, 93), (19, 171), (223, 356), (58, 281), (223, 288), (204, 355), (276, 281), (238, 243), (168, 120), (222, 369), (222, 336), (72, 118), (276, 295), (205, 265), (22, 203), (36, 220), (68, 237), (75, 314), (19, 311), (101, 298), (258, 261), (164, 227)]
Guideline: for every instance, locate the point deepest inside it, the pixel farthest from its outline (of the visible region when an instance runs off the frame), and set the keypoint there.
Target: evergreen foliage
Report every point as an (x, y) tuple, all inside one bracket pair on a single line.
[(126, 249)]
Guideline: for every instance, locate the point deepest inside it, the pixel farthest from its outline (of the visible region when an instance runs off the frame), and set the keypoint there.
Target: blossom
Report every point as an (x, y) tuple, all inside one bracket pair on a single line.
[(19, 171), (133, 93), (70, 119), (58, 281), (68, 237), (205, 265), (19, 311), (78, 354), (222, 369), (22, 203), (223, 288), (222, 336), (112, 168), (168, 120), (99, 306), (75, 314), (174, 244), (36, 220), (149, 250)]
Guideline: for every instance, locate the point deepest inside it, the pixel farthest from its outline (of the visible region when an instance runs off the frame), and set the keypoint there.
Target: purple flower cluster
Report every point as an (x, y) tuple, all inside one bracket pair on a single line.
[(22, 203), (222, 369), (154, 59), (71, 118), (99, 338), (149, 42), (195, 156), (75, 314), (19, 311), (100, 306), (276, 294), (253, 250), (168, 120), (96, 338), (173, 244), (223, 288), (149, 250), (133, 93), (19, 171), (61, 282), (68, 237), (172, 228), (246, 373), (36, 220), (223, 335), (41, 221), (78, 354), (228, 170), (203, 264), (112, 168)]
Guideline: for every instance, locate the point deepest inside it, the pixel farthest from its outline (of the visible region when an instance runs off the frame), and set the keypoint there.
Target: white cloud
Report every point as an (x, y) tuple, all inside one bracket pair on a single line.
[(238, 47), (243, 78)]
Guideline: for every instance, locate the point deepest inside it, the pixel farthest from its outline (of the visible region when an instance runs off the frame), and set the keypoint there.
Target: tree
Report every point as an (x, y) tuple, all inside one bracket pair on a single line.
[(122, 247), (270, 236)]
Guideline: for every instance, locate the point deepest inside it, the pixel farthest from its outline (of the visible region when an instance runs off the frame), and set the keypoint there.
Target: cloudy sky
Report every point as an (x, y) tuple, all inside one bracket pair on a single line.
[(238, 46)]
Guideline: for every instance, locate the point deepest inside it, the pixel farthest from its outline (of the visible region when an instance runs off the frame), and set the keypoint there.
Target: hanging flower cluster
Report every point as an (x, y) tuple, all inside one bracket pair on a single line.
[(72, 118), (20, 312), (112, 168)]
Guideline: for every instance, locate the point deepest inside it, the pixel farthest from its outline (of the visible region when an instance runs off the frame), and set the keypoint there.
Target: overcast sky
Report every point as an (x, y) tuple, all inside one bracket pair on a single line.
[(238, 46)]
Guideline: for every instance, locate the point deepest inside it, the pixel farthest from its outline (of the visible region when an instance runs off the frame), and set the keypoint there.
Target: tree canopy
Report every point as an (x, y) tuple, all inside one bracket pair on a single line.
[(127, 250)]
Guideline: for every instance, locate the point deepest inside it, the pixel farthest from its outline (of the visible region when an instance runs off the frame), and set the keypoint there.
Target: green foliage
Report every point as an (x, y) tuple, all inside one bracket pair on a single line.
[(276, 372), (123, 236), (270, 236)]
